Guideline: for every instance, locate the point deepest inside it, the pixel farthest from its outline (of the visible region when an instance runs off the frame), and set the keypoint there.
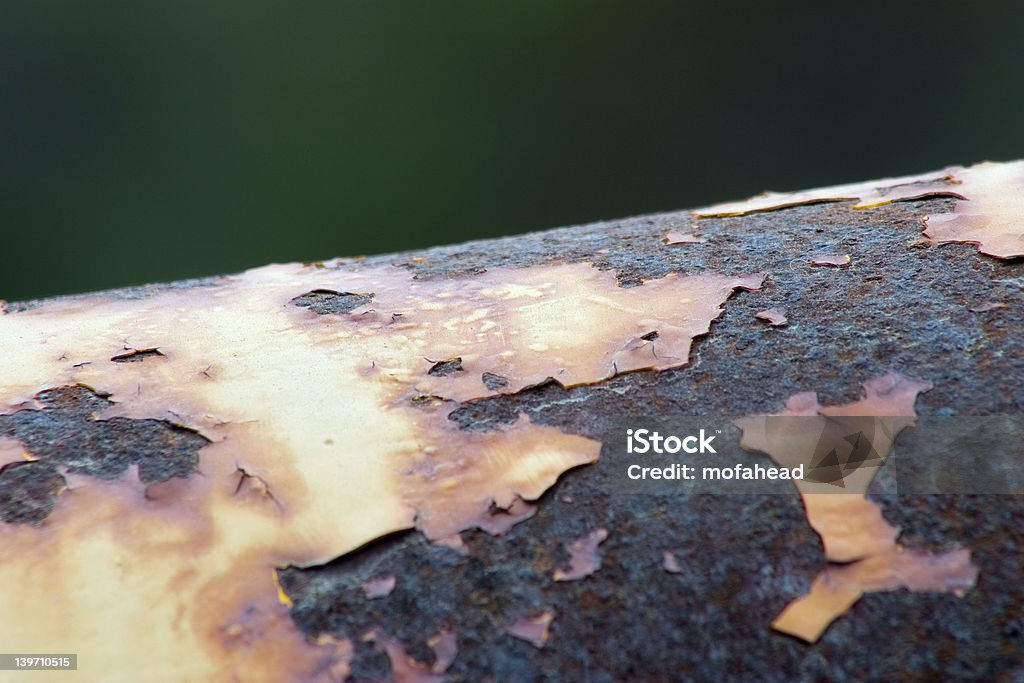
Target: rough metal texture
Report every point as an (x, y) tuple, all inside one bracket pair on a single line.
[(65, 432), (325, 301), (902, 305)]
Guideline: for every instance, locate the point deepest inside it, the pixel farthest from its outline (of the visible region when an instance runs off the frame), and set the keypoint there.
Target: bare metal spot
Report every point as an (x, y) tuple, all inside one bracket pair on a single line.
[(28, 491)]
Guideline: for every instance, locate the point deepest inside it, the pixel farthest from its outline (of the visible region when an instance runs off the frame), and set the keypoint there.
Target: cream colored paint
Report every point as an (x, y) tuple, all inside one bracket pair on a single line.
[(989, 211), (176, 581)]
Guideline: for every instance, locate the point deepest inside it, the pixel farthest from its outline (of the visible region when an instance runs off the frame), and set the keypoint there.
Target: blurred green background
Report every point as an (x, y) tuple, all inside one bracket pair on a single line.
[(147, 141)]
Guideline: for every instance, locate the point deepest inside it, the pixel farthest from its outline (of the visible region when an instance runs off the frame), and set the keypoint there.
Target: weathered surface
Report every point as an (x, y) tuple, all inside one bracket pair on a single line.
[(901, 305)]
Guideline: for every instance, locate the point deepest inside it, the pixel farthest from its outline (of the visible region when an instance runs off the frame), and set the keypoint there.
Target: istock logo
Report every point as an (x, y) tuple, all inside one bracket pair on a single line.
[(646, 441)]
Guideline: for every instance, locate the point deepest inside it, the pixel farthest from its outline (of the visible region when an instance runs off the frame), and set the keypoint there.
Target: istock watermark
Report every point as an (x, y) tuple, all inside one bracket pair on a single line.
[(644, 440), (817, 454)]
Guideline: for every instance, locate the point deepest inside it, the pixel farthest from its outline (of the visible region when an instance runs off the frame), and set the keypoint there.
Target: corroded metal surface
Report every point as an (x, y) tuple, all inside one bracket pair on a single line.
[(901, 305)]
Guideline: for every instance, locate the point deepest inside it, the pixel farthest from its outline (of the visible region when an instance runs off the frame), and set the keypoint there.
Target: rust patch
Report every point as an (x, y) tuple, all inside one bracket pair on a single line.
[(329, 302), (28, 491), (65, 431), (494, 382), (443, 368)]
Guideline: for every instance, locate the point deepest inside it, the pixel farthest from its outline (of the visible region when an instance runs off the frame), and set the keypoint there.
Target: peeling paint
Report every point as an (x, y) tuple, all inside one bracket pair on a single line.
[(679, 237), (584, 556), (851, 526), (445, 647), (535, 629), (379, 587), (867, 194), (988, 213), (833, 260), (670, 563), (137, 355), (839, 586), (776, 317), (993, 216), (404, 669), (312, 443)]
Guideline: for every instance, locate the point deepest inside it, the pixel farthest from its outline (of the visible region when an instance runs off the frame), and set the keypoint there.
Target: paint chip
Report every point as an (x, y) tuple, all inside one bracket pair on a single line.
[(584, 556), (679, 237), (670, 563), (834, 260), (379, 587), (776, 317), (839, 586), (499, 521), (445, 646), (986, 307), (533, 629)]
